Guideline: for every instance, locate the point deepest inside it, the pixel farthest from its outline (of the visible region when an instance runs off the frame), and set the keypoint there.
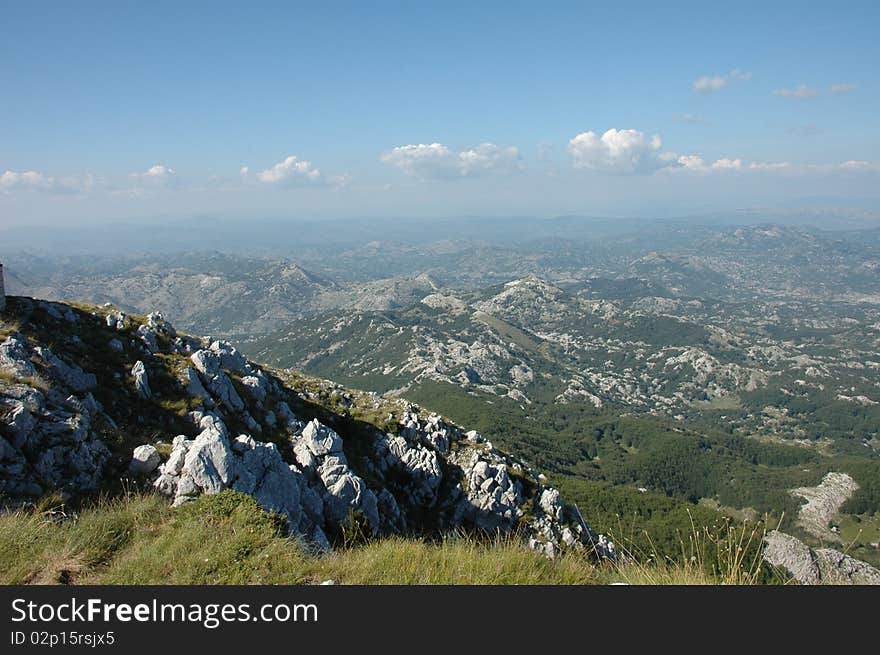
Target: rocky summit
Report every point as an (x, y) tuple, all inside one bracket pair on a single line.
[(91, 396)]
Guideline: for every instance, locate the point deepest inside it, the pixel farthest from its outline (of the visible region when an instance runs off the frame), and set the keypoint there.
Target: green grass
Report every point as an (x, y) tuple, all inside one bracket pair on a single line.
[(228, 539), (508, 331), (728, 402), (859, 529)]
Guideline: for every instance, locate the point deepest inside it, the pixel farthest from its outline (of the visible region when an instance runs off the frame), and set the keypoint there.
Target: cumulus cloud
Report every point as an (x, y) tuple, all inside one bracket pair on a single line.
[(157, 175), (621, 152), (489, 158), (423, 160), (801, 92), (437, 161), (630, 152), (712, 83), (843, 88), (292, 171)]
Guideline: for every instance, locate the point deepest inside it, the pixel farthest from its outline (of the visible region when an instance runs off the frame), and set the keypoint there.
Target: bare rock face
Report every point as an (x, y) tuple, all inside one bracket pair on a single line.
[(46, 443), (787, 552), (816, 566), (46, 437)]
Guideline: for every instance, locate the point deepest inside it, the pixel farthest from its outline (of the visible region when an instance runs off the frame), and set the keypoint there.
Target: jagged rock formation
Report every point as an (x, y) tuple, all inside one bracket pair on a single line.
[(816, 566), (234, 428)]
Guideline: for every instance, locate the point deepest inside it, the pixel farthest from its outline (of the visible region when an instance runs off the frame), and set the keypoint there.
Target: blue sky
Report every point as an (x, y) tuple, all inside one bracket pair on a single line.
[(131, 110)]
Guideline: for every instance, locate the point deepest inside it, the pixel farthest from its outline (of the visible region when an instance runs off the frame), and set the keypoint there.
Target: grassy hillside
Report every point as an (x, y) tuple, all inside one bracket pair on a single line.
[(227, 539)]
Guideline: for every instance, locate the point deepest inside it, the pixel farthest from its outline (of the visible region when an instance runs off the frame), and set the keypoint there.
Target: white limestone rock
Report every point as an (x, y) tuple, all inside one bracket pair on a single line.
[(320, 440), (209, 364), (141, 382), (810, 566), (144, 460)]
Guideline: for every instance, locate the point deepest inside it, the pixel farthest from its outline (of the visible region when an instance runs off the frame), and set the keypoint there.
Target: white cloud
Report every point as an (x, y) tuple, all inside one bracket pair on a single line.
[(437, 161), (25, 180), (36, 181), (622, 152), (488, 158), (856, 165), (712, 83), (243, 171), (157, 175), (725, 164), (696, 164), (770, 166), (801, 92), (693, 163), (628, 152), (843, 88), (159, 172), (423, 160), (291, 171)]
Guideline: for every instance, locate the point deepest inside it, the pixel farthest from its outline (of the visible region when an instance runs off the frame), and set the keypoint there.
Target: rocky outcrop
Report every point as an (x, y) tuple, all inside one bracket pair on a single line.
[(208, 364), (823, 503), (144, 460), (46, 443), (419, 475), (416, 482), (429, 475), (816, 566), (141, 383)]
